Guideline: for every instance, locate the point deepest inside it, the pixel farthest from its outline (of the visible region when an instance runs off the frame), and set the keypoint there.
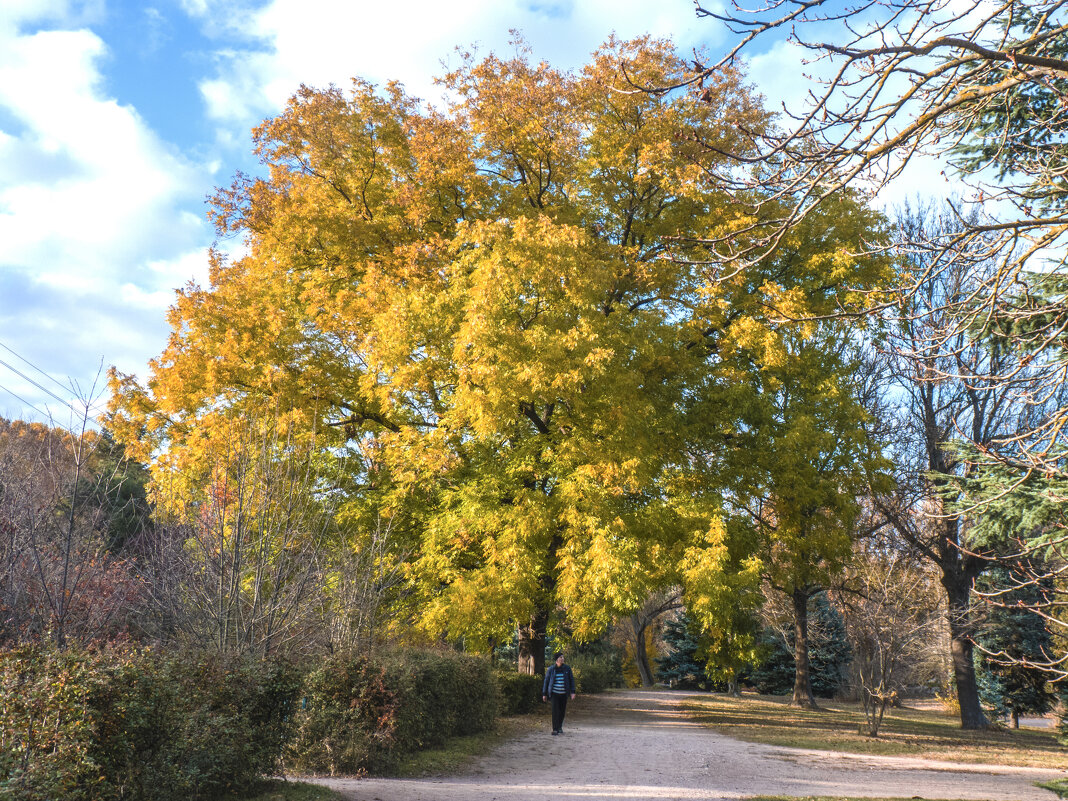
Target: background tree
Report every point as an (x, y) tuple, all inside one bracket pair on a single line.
[(637, 626), (683, 665), (890, 608), (919, 78), (1014, 646)]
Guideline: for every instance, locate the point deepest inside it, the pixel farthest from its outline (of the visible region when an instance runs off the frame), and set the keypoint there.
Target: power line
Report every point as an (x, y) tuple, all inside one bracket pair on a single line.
[(26, 402), (34, 366), (68, 403), (25, 377)]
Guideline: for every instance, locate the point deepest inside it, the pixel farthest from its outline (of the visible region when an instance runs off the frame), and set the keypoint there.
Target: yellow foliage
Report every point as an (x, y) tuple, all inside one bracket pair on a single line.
[(502, 313)]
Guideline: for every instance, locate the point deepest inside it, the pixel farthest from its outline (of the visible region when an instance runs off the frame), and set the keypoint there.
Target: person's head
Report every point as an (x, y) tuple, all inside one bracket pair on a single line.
[(559, 657)]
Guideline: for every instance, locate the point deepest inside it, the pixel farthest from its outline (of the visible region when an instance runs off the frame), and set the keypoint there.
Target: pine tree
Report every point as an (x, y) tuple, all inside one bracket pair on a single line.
[(1014, 633), (829, 657), (682, 666)]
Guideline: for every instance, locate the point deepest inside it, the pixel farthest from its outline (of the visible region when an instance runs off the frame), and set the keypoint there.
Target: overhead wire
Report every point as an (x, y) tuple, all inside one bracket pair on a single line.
[(67, 403), (25, 402), (34, 366)]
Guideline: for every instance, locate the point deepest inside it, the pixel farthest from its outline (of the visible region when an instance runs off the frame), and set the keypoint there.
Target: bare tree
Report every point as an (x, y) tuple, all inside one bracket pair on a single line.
[(904, 79), (952, 390), (890, 611), (367, 574), (59, 495), (239, 563)]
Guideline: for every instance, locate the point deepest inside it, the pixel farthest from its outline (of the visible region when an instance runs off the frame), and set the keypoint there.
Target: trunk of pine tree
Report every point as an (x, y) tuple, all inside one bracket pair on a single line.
[(961, 650), (1015, 719), (532, 641), (641, 657), (802, 676)]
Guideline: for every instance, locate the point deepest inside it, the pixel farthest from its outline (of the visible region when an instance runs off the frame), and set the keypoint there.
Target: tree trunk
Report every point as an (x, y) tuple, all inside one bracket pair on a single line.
[(732, 685), (1015, 719), (641, 658), (532, 644), (961, 650), (802, 677)]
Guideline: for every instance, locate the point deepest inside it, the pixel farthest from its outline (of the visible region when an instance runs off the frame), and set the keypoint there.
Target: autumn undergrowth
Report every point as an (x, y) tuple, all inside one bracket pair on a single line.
[(926, 734)]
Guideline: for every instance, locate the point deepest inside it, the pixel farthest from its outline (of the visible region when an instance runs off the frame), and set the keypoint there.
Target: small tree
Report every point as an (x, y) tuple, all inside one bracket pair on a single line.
[(1012, 642), (889, 612)]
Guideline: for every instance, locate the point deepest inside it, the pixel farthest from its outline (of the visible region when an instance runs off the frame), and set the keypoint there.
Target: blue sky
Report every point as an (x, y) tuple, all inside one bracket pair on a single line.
[(118, 118)]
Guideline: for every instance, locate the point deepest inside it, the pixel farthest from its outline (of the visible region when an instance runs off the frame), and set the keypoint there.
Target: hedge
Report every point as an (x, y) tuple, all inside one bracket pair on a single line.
[(520, 693), (361, 714), (114, 724), (139, 726)]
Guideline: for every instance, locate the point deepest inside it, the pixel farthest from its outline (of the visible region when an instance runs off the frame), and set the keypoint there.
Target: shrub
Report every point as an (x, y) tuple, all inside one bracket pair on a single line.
[(595, 674), (520, 693), (116, 724), (362, 714)]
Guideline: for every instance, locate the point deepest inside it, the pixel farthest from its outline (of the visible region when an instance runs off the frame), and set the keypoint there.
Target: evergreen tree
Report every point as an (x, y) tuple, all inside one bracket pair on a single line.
[(829, 657), (683, 665), (1015, 634)]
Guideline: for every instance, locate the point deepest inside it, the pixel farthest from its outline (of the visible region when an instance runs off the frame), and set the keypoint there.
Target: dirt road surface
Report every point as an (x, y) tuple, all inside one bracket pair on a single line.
[(640, 745)]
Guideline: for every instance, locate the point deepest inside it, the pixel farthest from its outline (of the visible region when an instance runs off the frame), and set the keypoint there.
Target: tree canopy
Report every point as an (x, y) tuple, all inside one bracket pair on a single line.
[(502, 310)]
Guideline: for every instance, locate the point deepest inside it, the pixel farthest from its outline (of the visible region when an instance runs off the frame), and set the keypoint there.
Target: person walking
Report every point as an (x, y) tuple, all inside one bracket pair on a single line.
[(559, 683)]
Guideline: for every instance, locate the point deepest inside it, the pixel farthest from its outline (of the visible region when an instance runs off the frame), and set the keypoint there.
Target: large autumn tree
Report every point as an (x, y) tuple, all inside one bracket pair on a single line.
[(497, 308)]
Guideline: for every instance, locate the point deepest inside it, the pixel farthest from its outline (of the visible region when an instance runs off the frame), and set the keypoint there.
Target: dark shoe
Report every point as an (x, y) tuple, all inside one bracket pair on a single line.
[(555, 733)]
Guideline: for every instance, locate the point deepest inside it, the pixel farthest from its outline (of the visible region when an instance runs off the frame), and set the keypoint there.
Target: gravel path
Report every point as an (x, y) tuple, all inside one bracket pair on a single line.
[(640, 745)]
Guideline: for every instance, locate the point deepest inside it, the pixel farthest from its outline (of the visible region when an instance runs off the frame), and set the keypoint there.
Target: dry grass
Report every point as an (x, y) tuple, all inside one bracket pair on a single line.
[(280, 790), (459, 751), (926, 734)]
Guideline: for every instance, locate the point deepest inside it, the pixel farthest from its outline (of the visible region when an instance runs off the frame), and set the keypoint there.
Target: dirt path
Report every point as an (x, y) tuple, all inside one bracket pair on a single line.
[(640, 745)]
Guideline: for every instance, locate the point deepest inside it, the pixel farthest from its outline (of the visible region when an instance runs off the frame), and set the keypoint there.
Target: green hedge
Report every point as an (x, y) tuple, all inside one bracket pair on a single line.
[(363, 714), (114, 724), (595, 674), (139, 726), (520, 693)]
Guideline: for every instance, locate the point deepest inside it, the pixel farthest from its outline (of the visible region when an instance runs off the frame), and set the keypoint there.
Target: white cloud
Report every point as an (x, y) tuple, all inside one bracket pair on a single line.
[(318, 42), (94, 215)]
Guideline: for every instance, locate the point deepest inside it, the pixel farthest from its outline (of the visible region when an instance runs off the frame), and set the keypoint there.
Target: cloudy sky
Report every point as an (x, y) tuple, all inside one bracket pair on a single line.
[(118, 117)]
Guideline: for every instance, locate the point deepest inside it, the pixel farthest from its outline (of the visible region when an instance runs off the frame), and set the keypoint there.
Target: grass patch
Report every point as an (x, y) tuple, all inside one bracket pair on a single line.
[(927, 734), (280, 790), (1059, 786), (459, 751)]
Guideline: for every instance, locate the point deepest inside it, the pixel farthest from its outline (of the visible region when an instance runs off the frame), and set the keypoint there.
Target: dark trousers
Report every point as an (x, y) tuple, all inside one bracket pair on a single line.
[(559, 707)]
